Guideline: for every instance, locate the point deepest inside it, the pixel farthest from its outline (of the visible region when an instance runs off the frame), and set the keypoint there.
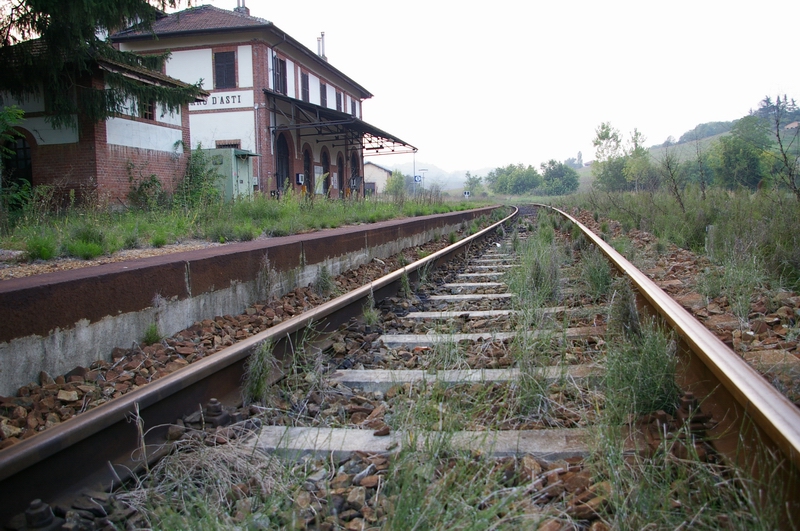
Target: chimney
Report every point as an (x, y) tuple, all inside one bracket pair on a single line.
[(320, 45), (241, 8)]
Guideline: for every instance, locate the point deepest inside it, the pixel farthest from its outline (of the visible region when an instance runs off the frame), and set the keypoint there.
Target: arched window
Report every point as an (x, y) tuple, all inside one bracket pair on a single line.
[(355, 183), (340, 166), (307, 173), (326, 171), (18, 169)]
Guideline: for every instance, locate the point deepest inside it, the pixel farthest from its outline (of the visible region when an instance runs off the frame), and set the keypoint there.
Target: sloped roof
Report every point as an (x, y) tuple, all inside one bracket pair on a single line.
[(38, 48), (208, 19), (331, 123), (200, 19)]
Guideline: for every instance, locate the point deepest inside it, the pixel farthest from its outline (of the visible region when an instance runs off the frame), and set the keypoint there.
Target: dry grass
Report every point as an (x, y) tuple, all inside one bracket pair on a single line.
[(206, 487)]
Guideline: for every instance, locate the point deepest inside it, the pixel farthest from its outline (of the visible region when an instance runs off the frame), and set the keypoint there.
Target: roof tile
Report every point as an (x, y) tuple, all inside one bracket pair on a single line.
[(197, 19)]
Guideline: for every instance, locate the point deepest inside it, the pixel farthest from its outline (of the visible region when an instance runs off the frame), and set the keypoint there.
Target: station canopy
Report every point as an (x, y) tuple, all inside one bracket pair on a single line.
[(345, 130)]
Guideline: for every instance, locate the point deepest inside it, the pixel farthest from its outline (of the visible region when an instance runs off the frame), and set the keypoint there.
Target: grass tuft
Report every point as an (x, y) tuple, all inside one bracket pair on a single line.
[(595, 274), (41, 247), (257, 369), (640, 374), (324, 283), (151, 335)]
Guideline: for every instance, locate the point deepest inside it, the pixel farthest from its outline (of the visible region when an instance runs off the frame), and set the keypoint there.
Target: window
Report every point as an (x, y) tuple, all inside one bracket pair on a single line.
[(228, 144), (279, 75), (353, 107), (304, 87), (225, 70), (147, 110), (338, 101), (17, 169), (323, 94)]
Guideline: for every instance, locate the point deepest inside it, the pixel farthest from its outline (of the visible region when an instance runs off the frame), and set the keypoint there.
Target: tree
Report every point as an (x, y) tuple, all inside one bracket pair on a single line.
[(514, 179), (473, 183), (673, 175), (396, 186), (558, 178), (782, 119), (56, 44), (740, 155), (13, 192), (10, 117), (638, 170), (609, 165)]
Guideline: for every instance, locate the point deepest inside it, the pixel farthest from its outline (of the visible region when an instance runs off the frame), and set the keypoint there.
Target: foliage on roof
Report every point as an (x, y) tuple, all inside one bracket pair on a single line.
[(58, 46)]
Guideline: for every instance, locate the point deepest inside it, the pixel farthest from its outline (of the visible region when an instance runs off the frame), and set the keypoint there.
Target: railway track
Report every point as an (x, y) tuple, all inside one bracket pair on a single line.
[(440, 354)]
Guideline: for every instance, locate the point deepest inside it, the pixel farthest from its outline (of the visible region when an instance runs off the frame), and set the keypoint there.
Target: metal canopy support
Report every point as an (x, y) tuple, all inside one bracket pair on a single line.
[(333, 126)]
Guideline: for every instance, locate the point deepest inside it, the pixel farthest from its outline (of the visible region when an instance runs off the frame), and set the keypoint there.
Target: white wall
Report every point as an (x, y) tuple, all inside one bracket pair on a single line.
[(208, 127), (167, 117), (239, 99), (44, 133), (377, 175), (290, 77), (32, 103), (123, 132), (192, 65)]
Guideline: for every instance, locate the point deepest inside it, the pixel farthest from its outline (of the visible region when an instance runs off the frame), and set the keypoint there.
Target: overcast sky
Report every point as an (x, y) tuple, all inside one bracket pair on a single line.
[(485, 84)]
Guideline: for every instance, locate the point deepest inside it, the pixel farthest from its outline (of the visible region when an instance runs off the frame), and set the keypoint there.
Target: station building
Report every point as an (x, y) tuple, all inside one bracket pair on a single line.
[(295, 116), (376, 177), (98, 159)]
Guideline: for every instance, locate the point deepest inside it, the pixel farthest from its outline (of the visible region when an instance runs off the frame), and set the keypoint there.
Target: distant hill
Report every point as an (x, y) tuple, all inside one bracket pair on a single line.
[(705, 130), (685, 150)]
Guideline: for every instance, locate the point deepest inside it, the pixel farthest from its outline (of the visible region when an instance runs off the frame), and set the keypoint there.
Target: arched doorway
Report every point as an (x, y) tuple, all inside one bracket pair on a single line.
[(18, 167), (355, 184), (340, 167), (308, 175), (326, 171), (282, 170)]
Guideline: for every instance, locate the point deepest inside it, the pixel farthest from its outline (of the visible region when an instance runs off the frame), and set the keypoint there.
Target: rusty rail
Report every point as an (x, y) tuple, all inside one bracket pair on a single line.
[(720, 374), (100, 448)]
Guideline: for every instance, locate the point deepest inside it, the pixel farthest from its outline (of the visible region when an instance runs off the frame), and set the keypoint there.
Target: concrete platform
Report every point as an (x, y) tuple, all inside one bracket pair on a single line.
[(548, 445), (382, 380)]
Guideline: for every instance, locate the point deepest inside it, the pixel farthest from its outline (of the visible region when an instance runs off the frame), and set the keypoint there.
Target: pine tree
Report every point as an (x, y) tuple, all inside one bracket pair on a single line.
[(57, 44)]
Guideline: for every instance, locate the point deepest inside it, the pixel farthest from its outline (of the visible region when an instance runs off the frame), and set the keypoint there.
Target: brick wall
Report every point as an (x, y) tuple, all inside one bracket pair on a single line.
[(94, 169)]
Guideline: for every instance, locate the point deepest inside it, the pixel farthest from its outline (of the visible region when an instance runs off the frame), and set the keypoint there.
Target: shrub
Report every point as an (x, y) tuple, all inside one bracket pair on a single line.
[(199, 186), (147, 193)]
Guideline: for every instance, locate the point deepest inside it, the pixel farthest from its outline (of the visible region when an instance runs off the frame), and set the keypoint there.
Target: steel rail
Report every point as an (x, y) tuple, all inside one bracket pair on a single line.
[(98, 448), (772, 412)]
